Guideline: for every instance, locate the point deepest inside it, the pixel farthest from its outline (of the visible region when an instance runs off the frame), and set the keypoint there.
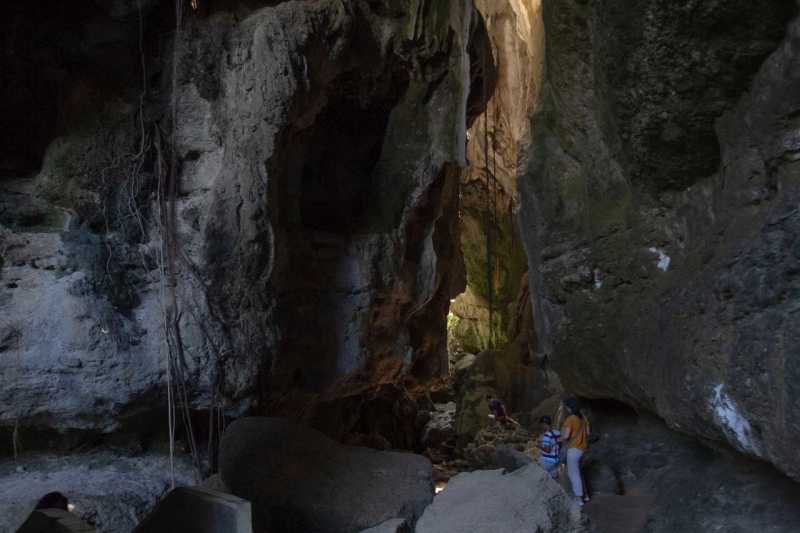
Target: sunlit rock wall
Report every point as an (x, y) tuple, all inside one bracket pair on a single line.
[(517, 39)]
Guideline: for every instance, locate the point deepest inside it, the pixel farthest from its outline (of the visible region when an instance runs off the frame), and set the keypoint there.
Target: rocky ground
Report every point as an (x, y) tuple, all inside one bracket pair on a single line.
[(643, 476), (110, 491)]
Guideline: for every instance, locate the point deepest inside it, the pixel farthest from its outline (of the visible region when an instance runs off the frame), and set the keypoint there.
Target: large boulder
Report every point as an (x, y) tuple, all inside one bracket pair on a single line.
[(492, 502), (441, 426), (300, 480)]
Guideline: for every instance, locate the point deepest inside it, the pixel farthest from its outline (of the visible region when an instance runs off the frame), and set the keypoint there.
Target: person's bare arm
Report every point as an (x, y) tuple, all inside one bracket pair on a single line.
[(566, 432)]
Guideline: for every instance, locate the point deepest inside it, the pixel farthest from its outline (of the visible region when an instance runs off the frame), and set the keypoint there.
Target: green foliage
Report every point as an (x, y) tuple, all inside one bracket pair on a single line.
[(509, 264), (452, 321)]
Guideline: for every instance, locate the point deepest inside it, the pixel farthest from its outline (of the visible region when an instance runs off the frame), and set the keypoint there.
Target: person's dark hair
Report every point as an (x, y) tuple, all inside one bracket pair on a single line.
[(546, 420), (53, 500), (572, 405)]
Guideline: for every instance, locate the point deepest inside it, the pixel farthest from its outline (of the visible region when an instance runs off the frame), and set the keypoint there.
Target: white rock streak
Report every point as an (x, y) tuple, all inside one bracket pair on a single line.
[(663, 259), (726, 414), (598, 279)]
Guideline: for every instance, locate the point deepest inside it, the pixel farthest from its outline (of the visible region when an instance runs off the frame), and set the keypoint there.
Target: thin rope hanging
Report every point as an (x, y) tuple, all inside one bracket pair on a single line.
[(493, 215), (177, 390), (489, 222)]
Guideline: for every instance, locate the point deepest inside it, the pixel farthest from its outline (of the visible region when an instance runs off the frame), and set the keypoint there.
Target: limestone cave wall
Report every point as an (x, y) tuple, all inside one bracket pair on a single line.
[(659, 213), (272, 187)]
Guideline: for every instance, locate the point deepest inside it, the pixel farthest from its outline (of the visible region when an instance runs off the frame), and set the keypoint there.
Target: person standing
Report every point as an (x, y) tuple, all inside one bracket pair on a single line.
[(575, 436)]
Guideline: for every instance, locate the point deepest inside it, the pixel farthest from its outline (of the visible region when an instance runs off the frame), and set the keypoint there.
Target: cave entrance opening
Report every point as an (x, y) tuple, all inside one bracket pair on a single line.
[(490, 326)]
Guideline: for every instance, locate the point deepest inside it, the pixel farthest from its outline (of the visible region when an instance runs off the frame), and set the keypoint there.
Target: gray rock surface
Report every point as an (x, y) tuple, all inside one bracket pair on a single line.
[(601, 477), (659, 214), (487, 501), (300, 480), (109, 491), (396, 525), (71, 359)]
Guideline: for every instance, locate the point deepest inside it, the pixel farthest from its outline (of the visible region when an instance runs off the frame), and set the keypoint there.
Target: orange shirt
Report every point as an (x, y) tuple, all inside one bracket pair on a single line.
[(578, 432)]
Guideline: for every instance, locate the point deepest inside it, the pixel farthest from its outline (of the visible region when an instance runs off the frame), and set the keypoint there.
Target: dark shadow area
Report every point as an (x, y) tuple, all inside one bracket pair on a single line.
[(338, 153), (63, 62), (321, 190)]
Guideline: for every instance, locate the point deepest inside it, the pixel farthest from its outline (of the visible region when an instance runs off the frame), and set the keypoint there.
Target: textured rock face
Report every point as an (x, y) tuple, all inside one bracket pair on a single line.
[(441, 426), (317, 148), (659, 214), (299, 480)]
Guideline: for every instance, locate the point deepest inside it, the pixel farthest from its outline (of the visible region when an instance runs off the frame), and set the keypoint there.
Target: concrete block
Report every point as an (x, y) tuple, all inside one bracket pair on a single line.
[(199, 510)]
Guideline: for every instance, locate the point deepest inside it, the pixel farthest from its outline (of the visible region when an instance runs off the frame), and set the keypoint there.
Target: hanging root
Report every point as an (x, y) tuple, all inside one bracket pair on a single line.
[(177, 388), (15, 439)]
